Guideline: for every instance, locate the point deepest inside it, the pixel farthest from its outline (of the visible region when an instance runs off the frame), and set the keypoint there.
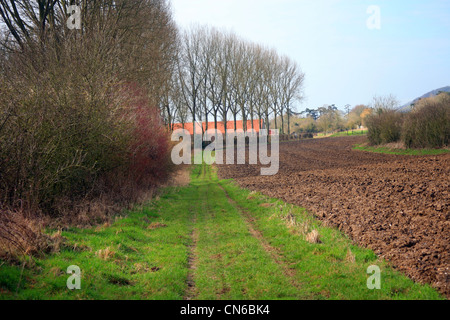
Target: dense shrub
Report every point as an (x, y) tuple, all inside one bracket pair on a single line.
[(80, 129), (428, 125), (149, 151), (72, 127), (384, 127), (63, 141)]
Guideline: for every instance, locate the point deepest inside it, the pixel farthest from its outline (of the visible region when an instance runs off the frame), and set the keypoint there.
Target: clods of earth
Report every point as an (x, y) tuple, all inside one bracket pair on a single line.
[(398, 206)]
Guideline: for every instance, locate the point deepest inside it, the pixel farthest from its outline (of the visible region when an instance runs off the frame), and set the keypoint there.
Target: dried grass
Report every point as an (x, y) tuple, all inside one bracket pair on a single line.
[(350, 257), (252, 195), (399, 145), (141, 268), (22, 236), (295, 226), (313, 237), (105, 254), (156, 225), (22, 233), (290, 220), (57, 241), (102, 227), (181, 177)]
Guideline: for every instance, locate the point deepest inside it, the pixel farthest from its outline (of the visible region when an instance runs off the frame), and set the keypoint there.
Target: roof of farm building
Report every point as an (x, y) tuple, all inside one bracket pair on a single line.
[(220, 126)]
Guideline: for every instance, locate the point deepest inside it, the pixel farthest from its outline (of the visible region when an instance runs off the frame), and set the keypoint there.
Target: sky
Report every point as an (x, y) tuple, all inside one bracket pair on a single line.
[(349, 50)]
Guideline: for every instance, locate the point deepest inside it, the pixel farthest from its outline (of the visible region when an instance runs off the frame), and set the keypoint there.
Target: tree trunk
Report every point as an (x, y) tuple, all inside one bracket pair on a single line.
[(215, 121), (252, 118), (244, 120), (289, 121), (276, 124)]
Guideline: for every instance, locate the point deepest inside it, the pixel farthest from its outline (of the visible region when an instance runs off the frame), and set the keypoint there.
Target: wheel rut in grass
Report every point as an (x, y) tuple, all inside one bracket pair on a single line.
[(191, 291), (228, 245), (273, 252), (225, 287)]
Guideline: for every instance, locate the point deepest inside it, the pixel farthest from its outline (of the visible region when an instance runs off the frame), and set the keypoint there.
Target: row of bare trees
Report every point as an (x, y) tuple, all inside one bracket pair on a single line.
[(222, 77)]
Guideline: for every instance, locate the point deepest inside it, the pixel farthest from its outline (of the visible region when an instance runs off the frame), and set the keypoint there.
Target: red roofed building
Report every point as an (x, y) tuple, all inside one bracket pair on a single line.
[(220, 126)]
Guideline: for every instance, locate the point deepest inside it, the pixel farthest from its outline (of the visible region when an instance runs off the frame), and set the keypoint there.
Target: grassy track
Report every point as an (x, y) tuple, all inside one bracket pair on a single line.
[(209, 240)]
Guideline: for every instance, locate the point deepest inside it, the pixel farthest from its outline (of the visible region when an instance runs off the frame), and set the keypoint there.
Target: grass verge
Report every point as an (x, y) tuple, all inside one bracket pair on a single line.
[(350, 133), (407, 152), (141, 256)]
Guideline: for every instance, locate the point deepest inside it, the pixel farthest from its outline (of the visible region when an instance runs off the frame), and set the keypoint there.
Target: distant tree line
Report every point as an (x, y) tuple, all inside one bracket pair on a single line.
[(222, 77), (329, 118)]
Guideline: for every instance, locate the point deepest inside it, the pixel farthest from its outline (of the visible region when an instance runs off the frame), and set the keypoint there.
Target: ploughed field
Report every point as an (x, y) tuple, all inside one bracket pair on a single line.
[(398, 206)]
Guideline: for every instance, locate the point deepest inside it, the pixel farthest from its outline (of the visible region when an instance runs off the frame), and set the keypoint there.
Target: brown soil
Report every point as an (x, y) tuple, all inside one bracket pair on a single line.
[(399, 206)]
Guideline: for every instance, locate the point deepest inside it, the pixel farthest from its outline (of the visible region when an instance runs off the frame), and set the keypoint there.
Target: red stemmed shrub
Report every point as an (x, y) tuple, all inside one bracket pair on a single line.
[(149, 148)]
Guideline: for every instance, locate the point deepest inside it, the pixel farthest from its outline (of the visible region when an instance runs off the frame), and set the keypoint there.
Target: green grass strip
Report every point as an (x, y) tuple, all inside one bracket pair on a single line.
[(232, 264), (350, 133), (403, 152), (144, 256)]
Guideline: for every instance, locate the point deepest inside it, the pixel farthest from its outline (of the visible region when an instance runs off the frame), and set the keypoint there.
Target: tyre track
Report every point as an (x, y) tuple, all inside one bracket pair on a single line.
[(191, 291), (273, 252)]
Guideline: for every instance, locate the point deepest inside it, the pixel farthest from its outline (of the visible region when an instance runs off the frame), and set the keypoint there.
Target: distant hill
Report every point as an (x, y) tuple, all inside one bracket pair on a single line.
[(407, 107)]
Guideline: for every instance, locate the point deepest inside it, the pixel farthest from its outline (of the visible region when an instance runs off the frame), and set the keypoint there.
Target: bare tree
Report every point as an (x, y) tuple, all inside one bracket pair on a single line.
[(384, 103), (292, 86), (255, 77), (224, 71), (216, 89), (241, 80), (190, 70)]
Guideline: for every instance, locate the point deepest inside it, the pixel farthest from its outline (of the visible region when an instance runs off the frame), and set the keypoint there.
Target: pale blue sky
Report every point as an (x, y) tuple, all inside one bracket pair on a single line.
[(344, 61)]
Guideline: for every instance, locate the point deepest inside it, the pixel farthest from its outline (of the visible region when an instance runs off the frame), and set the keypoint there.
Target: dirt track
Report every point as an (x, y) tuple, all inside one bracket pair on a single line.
[(399, 206)]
